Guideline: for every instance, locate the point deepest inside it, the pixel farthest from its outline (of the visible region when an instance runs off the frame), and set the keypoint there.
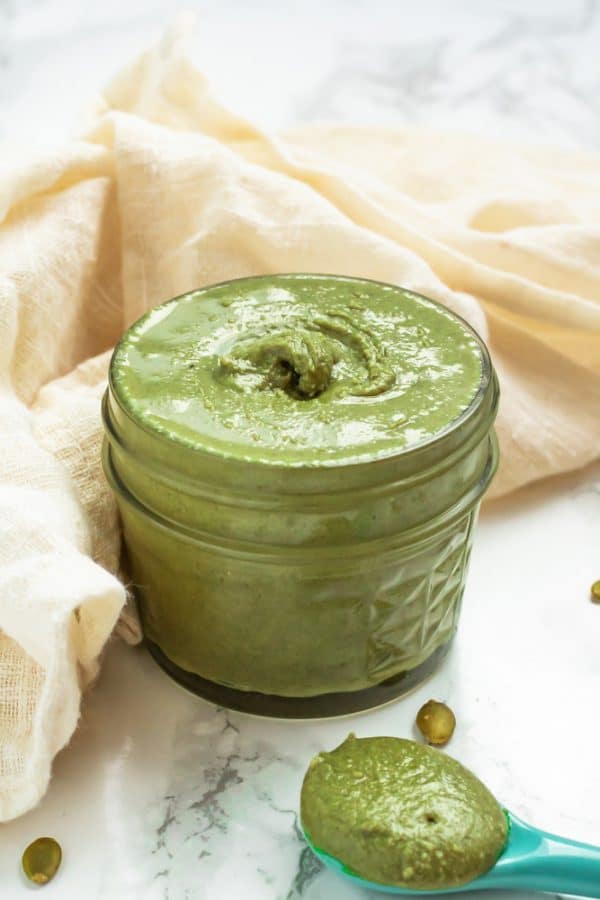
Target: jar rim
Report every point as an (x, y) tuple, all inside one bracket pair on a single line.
[(213, 452)]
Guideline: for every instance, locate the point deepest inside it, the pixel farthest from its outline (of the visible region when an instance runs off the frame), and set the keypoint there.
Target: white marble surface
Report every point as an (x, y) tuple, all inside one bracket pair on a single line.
[(519, 68), (160, 796)]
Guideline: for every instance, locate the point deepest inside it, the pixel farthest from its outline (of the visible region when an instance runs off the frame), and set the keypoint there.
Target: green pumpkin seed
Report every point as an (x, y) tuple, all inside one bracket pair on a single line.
[(436, 722), (41, 860)]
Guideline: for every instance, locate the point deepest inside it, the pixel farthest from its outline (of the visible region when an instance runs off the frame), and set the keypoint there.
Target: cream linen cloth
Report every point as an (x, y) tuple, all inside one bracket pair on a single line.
[(168, 191)]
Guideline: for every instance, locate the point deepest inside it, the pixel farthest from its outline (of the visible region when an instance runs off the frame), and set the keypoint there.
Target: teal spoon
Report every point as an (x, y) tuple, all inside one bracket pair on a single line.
[(531, 861)]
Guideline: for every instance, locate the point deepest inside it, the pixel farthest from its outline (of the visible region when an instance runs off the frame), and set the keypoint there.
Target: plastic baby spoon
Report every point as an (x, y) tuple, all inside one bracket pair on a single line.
[(532, 860)]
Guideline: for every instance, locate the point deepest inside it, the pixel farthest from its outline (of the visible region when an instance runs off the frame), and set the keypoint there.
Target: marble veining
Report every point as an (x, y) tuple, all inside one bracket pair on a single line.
[(233, 795), (505, 68), (524, 73)]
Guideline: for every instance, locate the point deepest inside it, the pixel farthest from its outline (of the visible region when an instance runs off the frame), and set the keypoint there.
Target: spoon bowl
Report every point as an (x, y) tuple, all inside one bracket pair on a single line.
[(532, 860)]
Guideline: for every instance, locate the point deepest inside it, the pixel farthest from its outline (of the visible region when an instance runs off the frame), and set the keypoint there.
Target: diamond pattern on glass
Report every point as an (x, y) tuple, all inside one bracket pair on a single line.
[(417, 608)]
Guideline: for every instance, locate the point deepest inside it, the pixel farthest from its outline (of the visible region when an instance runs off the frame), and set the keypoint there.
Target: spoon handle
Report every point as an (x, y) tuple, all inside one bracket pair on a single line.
[(546, 862)]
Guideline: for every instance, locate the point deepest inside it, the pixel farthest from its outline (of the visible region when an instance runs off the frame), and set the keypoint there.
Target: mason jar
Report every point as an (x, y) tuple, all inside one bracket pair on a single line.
[(305, 576)]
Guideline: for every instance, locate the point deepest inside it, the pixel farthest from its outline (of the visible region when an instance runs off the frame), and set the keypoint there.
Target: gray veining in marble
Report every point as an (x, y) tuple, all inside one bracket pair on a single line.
[(530, 67), (231, 794), (507, 68)]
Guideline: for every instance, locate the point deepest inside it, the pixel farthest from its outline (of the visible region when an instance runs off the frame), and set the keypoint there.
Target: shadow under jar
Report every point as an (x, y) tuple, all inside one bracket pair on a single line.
[(298, 462)]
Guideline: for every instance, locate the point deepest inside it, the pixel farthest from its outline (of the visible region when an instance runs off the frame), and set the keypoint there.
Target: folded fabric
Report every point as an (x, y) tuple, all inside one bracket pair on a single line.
[(168, 191)]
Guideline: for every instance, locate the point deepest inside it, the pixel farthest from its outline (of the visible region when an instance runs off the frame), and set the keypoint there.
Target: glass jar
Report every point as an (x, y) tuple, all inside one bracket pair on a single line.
[(307, 590)]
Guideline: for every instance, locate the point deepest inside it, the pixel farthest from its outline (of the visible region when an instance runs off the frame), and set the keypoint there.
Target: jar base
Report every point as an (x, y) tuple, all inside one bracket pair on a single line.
[(319, 706)]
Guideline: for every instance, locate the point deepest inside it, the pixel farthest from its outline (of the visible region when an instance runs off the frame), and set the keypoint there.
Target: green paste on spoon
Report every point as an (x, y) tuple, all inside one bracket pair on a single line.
[(401, 813)]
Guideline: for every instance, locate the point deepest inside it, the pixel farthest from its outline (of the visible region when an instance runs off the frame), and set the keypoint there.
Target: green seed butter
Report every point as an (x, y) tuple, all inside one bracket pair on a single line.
[(271, 441), (400, 813), (298, 369)]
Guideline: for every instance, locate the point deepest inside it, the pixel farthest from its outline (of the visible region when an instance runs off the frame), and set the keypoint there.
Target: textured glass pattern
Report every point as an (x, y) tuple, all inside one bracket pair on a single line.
[(418, 611)]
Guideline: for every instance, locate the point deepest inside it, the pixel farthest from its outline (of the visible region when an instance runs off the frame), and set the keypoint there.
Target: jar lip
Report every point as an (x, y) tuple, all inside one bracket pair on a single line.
[(335, 463)]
